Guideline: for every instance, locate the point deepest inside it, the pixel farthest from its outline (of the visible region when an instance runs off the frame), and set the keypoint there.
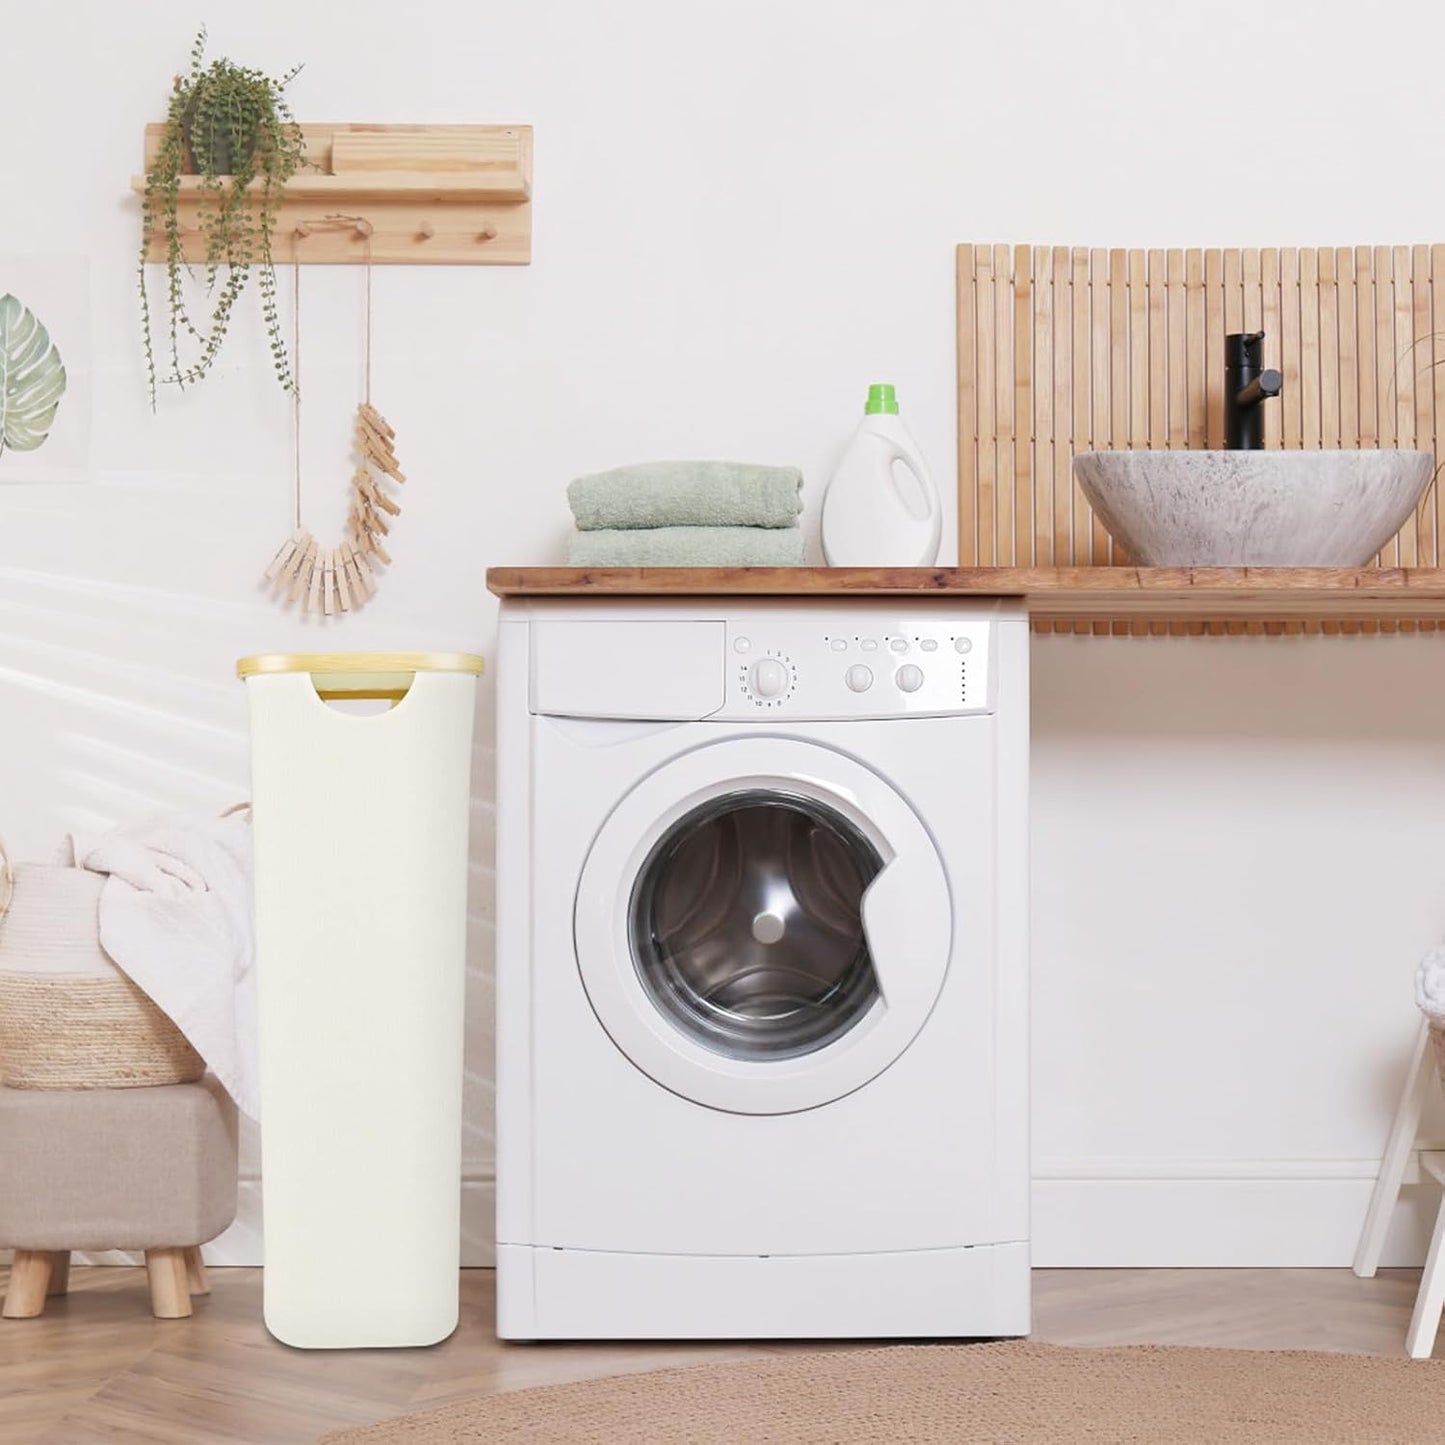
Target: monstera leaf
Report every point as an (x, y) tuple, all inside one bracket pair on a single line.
[(32, 378)]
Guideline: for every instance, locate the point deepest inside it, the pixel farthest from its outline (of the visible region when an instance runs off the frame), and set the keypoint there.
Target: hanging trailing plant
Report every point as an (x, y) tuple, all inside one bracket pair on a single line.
[(231, 126)]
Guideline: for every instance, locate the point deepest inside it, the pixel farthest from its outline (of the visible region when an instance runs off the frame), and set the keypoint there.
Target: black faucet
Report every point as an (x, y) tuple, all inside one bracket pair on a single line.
[(1246, 384)]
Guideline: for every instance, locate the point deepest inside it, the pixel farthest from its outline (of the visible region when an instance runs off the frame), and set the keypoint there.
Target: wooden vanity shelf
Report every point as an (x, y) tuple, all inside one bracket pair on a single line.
[(453, 195), (1100, 601), (1064, 349)]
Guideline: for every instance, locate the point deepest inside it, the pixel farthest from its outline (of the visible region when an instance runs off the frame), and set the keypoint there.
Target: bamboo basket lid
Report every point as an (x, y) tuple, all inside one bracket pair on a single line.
[(340, 664)]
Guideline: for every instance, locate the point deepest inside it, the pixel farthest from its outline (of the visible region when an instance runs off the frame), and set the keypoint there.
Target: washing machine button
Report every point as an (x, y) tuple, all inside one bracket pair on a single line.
[(898, 644), (963, 644), (770, 677), (909, 677), (929, 644), (859, 677), (869, 644), (741, 644), (839, 644)]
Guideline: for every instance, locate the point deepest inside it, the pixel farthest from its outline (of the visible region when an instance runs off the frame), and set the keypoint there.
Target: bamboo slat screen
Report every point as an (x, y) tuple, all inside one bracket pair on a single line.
[(1067, 349)]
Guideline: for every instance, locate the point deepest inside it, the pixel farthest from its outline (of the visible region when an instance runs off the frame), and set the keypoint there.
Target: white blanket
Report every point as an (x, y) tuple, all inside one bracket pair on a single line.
[(1430, 983), (175, 915)]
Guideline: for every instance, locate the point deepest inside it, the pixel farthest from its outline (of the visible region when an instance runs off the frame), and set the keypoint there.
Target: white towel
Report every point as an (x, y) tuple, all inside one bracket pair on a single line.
[(1430, 983), (175, 915)]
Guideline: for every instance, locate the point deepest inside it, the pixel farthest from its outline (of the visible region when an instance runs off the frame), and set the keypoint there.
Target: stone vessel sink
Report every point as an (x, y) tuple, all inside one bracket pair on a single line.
[(1253, 508)]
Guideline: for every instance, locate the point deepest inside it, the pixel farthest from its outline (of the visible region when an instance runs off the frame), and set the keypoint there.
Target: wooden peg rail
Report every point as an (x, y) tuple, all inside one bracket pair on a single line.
[(453, 195), (1064, 349)]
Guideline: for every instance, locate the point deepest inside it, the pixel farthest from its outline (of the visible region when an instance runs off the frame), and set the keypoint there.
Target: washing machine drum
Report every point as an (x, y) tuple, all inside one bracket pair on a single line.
[(747, 924), (763, 926)]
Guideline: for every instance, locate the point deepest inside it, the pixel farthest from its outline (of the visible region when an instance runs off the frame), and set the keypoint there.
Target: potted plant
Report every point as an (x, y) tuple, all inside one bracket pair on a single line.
[(231, 126)]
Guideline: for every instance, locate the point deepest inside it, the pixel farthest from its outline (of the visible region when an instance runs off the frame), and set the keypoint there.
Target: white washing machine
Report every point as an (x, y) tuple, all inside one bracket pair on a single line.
[(762, 969)]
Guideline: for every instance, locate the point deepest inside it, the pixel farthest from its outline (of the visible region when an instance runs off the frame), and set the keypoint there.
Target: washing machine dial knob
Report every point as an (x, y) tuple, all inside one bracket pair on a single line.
[(909, 677), (859, 677), (770, 677)]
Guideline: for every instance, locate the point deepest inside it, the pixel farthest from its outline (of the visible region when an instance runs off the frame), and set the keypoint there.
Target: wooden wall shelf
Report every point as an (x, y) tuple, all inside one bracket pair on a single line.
[(454, 195), (1168, 600)]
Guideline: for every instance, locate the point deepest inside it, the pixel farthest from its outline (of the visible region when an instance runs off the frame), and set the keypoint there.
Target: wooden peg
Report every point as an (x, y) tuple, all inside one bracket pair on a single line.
[(384, 462), (364, 487), (318, 578), (282, 560), (372, 493), (425, 231), (328, 583), (487, 233), (288, 575), (301, 578), (362, 585), (339, 578), (363, 227), (373, 444), (302, 229), (376, 419), (378, 498), (368, 424), (366, 518), (365, 585), (375, 450)]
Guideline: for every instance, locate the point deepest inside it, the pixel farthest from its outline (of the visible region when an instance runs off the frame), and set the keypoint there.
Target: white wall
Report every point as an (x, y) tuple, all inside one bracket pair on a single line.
[(745, 212)]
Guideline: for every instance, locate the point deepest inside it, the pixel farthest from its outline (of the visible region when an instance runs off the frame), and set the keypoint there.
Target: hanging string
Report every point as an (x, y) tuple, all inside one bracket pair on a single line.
[(303, 228), (368, 315), (296, 381)]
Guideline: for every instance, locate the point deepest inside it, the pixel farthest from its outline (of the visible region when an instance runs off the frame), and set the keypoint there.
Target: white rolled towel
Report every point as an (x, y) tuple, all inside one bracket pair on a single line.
[(1430, 983)]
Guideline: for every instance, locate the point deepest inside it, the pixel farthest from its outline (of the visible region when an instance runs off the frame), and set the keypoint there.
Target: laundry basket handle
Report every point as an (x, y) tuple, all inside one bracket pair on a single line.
[(7, 880)]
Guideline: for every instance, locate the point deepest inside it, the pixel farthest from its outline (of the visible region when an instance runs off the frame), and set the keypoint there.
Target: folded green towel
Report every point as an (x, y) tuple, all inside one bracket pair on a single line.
[(687, 494), (688, 547)]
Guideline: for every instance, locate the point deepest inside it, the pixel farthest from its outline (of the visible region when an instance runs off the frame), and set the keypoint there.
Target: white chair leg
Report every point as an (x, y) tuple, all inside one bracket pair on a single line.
[(1425, 1322), (1401, 1144)]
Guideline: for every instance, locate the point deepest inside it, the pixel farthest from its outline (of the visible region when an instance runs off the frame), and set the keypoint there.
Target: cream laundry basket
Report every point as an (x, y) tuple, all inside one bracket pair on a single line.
[(360, 828)]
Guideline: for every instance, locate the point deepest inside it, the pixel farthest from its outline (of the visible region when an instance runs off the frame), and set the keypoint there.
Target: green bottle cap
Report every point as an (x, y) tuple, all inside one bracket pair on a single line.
[(881, 398)]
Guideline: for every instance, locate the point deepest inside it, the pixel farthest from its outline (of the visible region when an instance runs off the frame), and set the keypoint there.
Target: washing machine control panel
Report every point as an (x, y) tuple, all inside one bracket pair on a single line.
[(835, 665)]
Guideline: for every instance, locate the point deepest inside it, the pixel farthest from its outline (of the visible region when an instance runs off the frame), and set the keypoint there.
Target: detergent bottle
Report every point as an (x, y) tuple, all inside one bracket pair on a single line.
[(881, 508)]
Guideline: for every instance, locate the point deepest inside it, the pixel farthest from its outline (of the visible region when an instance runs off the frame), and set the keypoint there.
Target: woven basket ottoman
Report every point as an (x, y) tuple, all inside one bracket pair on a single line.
[(150, 1169)]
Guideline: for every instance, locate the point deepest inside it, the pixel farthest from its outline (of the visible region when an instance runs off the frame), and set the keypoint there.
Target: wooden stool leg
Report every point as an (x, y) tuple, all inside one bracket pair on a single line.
[(59, 1273), (196, 1280), (166, 1268), (29, 1280)]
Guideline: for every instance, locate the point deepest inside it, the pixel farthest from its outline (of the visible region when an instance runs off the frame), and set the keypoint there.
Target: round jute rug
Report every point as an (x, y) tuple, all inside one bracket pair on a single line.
[(1005, 1393)]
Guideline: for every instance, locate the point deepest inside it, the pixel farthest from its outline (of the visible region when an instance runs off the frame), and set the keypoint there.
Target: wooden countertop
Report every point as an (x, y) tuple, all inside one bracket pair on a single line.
[(1178, 594)]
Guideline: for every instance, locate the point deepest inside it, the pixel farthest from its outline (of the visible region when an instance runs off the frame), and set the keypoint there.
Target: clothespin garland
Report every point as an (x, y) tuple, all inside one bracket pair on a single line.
[(334, 581)]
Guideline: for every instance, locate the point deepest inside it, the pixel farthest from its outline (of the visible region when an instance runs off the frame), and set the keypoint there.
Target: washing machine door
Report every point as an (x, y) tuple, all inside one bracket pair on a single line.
[(763, 925)]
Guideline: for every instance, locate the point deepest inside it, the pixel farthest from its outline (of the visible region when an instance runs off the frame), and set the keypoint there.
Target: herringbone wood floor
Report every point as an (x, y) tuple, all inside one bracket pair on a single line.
[(98, 1368)]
